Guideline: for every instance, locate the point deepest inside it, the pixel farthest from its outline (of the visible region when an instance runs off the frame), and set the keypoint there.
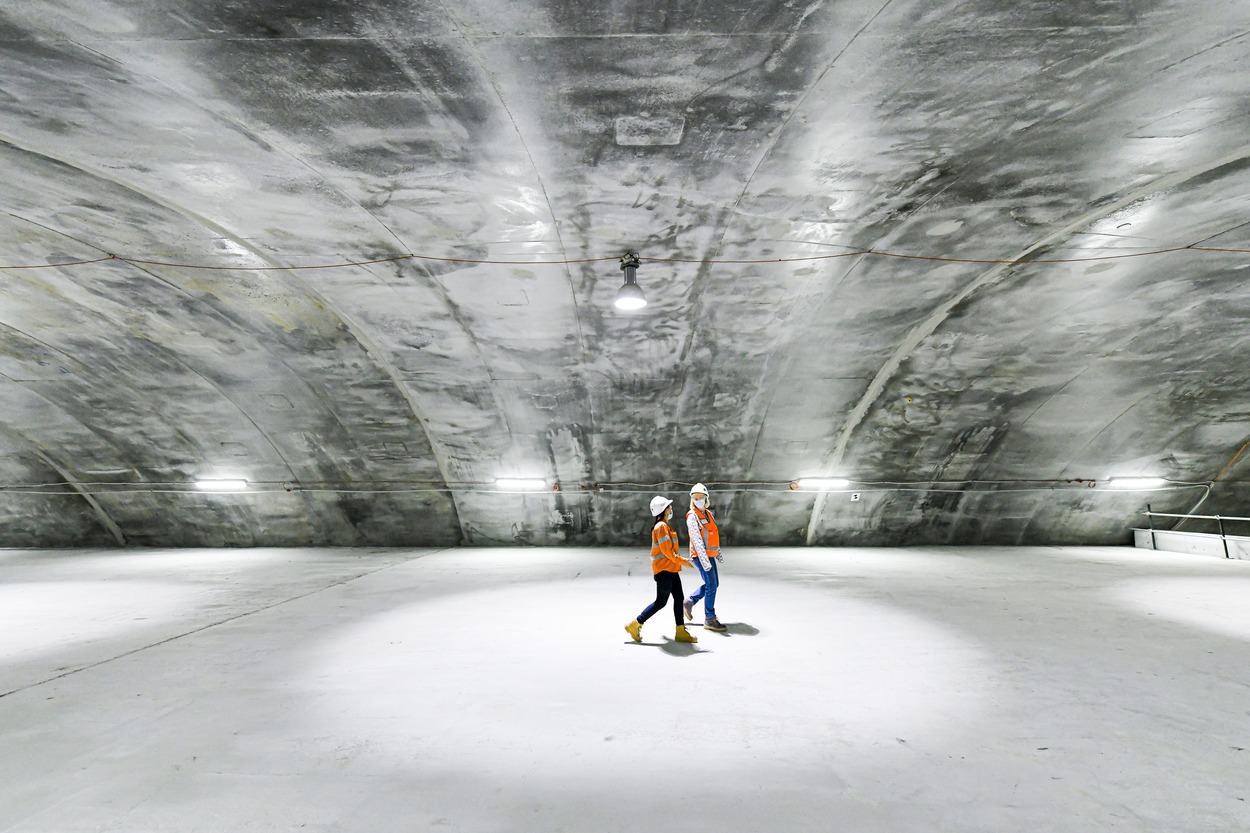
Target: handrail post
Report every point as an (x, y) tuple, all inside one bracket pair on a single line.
[(1151, 520), (1223, 539)]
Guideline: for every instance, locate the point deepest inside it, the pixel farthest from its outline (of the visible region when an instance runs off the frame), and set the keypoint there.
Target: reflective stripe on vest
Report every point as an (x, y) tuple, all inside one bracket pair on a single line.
[(657, 544), (665, 556), (707, 526)]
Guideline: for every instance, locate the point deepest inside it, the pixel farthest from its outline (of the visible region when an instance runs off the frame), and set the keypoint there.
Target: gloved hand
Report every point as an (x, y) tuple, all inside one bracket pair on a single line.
[(720, 559)]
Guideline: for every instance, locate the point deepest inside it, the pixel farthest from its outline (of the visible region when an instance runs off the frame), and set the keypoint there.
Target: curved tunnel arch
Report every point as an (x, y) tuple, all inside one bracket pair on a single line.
[(1236, 159)]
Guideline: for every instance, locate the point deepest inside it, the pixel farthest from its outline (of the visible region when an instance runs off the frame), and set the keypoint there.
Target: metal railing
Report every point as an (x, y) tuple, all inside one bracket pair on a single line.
[(1219, 519)]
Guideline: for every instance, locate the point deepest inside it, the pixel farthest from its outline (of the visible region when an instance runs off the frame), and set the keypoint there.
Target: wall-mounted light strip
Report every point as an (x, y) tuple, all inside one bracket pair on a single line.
[(1139, 483), (221, 485), (520, 484), (821, 483), (810, 484)]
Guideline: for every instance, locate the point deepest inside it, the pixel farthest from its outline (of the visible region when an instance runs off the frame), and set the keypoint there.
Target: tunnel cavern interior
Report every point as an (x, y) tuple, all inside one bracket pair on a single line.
[(347, 345)]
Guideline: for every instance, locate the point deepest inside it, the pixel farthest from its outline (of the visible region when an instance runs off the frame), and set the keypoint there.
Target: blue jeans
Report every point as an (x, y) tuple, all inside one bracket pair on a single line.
[(711, 580)]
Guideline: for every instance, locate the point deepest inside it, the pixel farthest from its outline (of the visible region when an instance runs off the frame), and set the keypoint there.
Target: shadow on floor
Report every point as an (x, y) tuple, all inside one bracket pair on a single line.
[(680, 649), (672, 648), (733, 629)]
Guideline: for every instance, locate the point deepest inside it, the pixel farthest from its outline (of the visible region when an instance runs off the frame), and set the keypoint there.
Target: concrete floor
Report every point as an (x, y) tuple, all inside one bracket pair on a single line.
[(1027, 689)]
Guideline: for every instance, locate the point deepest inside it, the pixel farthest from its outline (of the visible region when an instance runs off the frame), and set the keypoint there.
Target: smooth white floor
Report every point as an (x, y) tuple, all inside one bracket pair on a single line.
[(1027, 689)]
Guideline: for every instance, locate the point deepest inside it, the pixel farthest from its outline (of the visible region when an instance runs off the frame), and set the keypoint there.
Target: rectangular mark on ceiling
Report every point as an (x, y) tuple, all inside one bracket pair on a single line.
[(507, 296), (233, 449), (649, 131)]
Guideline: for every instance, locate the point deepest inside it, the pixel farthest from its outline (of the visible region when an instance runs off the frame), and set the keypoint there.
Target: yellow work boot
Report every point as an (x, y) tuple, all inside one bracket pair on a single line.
[(635, 630), (683, 635)]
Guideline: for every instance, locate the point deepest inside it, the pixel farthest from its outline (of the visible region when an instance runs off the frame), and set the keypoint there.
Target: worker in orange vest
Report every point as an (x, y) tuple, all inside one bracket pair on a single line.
[(705, 548), (666, 561)]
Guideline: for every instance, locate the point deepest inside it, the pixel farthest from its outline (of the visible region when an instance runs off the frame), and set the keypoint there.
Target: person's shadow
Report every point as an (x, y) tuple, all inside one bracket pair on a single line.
[(672, 647), (680, 649), (735, 629), (688, 649)]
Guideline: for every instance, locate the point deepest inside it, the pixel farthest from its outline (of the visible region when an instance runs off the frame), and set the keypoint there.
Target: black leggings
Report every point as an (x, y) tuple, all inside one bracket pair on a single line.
[(666, 584)]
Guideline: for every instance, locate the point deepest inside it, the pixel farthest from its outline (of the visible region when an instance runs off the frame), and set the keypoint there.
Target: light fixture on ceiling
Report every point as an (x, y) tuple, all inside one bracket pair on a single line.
[(520, 484), (221, 485), (822, 483), (629, 296), (1140, 483)]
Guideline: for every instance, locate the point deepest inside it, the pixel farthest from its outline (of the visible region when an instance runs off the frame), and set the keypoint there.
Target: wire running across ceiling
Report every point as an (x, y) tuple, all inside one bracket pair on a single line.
[(571, 261)]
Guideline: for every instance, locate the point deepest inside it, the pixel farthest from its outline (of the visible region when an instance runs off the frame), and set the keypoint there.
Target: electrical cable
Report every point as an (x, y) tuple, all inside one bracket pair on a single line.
[(61, 265), (1176, 526), (571, 261), (610, 487)]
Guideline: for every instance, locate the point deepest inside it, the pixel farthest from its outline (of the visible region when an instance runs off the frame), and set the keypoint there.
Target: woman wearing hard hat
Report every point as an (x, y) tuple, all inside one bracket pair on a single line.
[(705, 546), (666, 561)]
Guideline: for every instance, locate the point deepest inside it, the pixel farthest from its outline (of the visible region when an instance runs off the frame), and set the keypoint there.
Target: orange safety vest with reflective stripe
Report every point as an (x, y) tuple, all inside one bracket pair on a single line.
[(665, 556), (707, 531)]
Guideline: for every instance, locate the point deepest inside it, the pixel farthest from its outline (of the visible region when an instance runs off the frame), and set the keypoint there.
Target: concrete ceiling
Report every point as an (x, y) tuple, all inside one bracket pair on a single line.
[(186, 184)]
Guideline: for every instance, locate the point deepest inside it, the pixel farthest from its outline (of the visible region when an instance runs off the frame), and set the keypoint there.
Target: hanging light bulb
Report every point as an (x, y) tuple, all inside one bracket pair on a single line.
[(629, 296)]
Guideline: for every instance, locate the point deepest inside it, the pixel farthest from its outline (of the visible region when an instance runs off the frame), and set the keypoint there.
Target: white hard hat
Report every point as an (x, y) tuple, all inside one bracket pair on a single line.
[(698, 488), (659, 504)]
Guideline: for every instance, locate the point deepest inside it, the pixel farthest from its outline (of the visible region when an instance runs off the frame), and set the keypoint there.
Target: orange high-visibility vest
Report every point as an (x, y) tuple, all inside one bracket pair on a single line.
[(711, 535), (664, 552)]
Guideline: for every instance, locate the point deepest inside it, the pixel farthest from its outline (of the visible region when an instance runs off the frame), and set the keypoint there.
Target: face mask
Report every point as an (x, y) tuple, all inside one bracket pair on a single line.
[(700, 503)]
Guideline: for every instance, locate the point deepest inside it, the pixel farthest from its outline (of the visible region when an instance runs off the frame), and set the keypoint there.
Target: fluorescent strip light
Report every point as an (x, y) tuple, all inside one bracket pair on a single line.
[(823, 483), (522, 484), (1137, 483), (221, 485)]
